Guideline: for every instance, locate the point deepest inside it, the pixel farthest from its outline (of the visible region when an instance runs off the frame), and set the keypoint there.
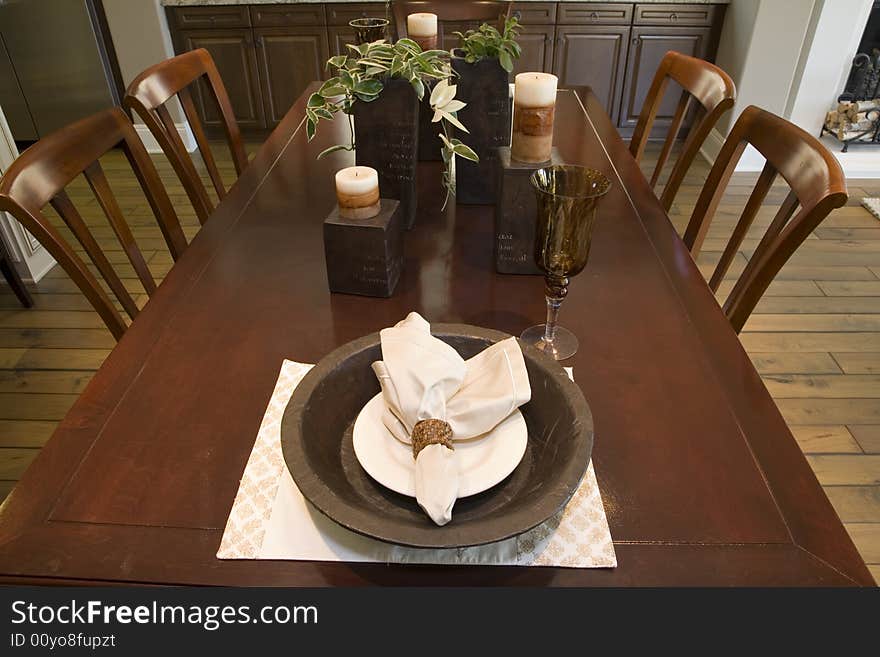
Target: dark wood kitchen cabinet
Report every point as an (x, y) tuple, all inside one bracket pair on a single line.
[(266, 60), (338, 38), (536, 42), (594, 56), (234, 53), (289, 59), (649, 45), (268, 53)]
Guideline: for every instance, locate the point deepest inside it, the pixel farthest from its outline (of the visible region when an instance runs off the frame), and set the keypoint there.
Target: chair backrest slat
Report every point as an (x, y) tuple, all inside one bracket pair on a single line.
[(148, 95), (160, 204), (161, 124), (753, 204), (817, 186), (74, 221), (38, 177), (94, 175), (713, 90), (674, 128), (189, 110)]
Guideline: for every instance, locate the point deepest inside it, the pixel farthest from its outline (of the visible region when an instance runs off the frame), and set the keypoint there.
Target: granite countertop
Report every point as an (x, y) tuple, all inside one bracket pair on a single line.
[(180, 3)]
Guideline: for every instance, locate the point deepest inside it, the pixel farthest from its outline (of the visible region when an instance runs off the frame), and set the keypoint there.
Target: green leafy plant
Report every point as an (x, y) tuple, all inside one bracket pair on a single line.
[(488, 43), (360, 76)]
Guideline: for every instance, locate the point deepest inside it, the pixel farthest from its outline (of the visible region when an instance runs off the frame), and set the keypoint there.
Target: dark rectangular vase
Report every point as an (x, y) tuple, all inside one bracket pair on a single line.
[(484, 87), (429, 141), (364, 256), (386, 138)]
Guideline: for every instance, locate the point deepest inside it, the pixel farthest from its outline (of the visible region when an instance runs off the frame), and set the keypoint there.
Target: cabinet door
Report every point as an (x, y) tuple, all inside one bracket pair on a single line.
[(594, 56), (289, 58), (536, 42), (649, 45), (234, 54), (339, 37)]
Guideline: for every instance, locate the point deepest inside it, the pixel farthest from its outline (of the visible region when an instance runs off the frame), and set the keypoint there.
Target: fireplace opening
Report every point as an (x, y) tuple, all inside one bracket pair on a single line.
[(856, 119), (871, 38)]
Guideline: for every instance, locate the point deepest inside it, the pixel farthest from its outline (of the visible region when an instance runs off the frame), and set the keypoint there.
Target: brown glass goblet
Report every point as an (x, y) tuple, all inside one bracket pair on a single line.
[(567, 199), (368, 30)]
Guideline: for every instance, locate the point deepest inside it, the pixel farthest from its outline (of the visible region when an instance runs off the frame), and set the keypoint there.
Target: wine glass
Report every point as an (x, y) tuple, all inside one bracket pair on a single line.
[(368, 30), (567, 200)]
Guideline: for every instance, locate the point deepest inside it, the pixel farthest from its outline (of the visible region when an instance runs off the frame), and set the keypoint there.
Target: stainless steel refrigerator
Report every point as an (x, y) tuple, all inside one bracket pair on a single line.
[(55, 64)]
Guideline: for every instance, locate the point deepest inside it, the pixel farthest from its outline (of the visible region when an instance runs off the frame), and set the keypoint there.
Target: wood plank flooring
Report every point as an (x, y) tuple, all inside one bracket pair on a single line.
[(814, 337)]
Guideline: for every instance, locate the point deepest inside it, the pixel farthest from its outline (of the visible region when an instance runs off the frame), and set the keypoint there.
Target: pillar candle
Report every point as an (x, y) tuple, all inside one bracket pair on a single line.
[(357, 191), (534, 103), (422, 28)]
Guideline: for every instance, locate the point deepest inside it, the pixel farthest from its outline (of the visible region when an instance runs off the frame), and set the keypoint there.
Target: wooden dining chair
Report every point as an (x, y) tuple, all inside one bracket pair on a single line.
[(714, 92), (817, 186), (149, 94), (459, 11), (38, 177)]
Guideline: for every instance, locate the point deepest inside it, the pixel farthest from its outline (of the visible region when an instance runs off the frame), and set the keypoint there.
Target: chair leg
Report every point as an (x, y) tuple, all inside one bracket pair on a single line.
[(14, 280)]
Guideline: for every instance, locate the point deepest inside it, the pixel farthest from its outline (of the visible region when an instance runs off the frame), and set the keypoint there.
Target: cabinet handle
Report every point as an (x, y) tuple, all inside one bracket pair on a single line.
[(635, 41), (594, 16), (673, 17)]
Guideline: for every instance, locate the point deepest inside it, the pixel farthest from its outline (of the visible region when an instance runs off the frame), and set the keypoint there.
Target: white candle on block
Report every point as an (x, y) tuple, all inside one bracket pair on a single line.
[(534, 104), (357, 191), (421, 25), (535, 89), (422, 28)]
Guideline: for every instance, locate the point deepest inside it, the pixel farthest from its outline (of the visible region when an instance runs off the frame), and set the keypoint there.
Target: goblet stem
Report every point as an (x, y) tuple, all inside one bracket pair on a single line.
[(556, 291), (553, 304)]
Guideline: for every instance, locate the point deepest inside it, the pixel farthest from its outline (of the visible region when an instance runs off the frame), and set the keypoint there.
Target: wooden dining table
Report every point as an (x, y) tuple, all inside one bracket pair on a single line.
[(703, 484)]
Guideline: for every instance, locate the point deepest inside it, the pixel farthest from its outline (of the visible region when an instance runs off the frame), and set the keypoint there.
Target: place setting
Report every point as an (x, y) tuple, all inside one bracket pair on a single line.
[(496, 471)]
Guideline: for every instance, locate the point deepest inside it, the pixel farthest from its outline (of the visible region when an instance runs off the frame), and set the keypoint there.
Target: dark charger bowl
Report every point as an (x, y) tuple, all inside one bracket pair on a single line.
[(316, 438)]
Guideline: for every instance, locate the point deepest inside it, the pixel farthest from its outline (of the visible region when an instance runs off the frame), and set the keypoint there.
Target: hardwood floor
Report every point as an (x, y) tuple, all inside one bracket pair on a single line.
[(814, 337)]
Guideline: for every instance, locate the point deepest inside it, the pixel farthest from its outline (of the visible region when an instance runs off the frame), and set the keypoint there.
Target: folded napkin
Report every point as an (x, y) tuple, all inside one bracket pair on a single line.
[(433, 397)]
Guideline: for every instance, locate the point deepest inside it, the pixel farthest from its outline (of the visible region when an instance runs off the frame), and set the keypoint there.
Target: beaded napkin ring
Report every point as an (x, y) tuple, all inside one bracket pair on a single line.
[(431, 432)]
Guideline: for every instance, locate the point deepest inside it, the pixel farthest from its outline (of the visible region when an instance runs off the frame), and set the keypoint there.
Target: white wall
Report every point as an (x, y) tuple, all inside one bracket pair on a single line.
[(733, 48), (140, 34), (141, 38), (760, 48)]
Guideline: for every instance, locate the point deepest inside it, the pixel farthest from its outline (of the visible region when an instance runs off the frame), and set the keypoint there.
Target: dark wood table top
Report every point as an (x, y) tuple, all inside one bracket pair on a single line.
[(702, 481)]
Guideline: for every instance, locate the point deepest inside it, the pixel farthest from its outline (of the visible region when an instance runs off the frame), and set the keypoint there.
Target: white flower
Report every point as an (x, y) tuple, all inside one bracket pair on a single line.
[(445, 105)]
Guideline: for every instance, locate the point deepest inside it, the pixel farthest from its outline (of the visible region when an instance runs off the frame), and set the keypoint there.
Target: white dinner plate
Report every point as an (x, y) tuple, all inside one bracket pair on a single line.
[(485, 460)]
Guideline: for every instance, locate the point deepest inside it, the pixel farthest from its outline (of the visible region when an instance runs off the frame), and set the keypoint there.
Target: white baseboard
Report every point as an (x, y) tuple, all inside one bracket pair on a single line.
[(712, 146), (152, 145)]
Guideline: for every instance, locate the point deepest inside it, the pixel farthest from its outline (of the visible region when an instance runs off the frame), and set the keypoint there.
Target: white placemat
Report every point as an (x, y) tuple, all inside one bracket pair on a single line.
[(270, 519)]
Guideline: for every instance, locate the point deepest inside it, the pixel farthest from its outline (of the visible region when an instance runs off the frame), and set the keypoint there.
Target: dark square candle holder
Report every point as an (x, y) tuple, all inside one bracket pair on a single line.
[(515, 214), (365, 256)]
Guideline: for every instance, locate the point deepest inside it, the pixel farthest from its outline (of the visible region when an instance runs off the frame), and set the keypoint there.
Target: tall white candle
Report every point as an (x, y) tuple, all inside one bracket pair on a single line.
[(535, 89), (357, 191), (421, 25), (534, 106)]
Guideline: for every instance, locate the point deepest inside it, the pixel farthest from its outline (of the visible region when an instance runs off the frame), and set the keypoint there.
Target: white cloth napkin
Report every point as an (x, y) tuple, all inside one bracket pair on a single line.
[(424, 378)]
